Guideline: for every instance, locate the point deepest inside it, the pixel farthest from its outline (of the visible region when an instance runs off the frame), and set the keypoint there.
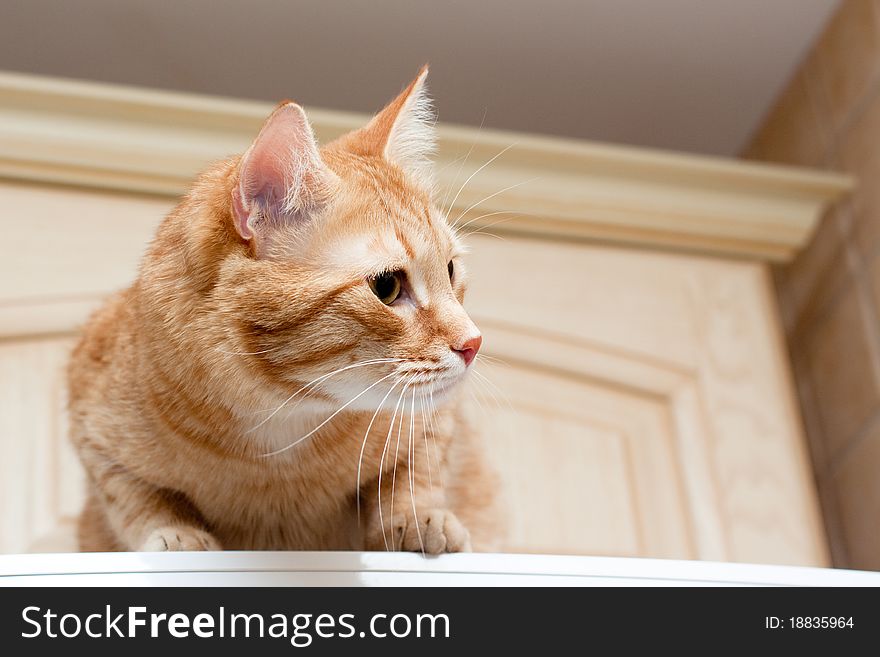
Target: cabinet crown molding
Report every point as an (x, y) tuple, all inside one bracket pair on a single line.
[(154, 142)]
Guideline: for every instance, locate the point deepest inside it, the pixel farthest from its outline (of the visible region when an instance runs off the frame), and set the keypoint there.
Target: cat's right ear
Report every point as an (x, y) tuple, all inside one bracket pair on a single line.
[(282, 178)]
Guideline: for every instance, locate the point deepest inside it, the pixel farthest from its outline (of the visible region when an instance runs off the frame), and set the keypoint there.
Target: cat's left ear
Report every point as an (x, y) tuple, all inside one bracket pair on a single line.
[(404, 132), (282, 179)]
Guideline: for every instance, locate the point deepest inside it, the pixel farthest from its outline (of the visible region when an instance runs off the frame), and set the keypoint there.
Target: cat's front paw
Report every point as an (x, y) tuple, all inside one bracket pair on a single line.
[(436, 531), (179, 539)]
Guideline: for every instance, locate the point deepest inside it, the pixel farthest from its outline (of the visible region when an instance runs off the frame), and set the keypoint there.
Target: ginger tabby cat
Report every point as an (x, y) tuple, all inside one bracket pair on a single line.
[(284, 372)]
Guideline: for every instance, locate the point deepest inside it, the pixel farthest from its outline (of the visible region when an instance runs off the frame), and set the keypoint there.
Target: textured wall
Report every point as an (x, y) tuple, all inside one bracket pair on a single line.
[(829, 117)]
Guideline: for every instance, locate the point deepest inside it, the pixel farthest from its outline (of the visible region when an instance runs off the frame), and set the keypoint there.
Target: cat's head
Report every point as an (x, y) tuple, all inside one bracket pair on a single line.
[(349, 269)]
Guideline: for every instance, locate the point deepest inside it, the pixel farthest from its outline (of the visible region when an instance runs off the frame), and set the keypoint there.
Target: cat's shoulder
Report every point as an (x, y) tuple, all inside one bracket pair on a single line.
[(103, 334)]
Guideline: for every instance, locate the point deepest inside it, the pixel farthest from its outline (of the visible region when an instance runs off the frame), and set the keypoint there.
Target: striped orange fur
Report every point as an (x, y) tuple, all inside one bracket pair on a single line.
[(251, 391)]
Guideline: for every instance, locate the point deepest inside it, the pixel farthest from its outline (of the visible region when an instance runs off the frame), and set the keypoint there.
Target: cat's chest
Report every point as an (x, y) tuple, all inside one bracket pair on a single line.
[(295, 482), (279, 465), (298, 490), (296, 500)]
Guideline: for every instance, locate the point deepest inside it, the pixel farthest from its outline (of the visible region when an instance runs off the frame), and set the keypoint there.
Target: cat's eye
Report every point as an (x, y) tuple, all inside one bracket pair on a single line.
[(386, 286), (451, 269)]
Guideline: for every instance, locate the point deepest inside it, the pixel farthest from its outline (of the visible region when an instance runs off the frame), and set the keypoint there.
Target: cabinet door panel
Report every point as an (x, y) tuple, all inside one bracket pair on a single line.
[(679, 360), (585, 470), (40, 477)]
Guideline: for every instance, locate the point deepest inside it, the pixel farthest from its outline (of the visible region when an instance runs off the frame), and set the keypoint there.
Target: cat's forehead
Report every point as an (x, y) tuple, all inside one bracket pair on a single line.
[(372, 232), (381, 219), (381, 240)]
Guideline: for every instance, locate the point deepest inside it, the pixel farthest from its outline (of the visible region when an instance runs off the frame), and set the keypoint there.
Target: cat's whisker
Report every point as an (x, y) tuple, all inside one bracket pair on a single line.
[(422, 399), (314, 383), (461, 166), (334, 414), (491, 196), (394, 471), (410, 458), (483, 216), (443, 207), (498, 398), (447, 208), (433, 417), (446, 166), (492, 359), (364, 445), (477, 400), (483, 230), (500, 392), (471, 177), (480, 232), (422, 365), (459, 229), (382, 465)]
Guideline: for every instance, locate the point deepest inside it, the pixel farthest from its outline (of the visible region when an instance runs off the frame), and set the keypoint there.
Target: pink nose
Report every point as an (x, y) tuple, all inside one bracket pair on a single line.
[(469, 348)]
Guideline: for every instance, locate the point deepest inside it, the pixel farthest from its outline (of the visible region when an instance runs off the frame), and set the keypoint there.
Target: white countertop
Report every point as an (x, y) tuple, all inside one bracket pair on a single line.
[(398, 569)]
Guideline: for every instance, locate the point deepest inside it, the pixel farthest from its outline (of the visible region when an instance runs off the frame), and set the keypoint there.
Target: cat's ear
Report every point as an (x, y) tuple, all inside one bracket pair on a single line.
[(282, 178), (404, 131)]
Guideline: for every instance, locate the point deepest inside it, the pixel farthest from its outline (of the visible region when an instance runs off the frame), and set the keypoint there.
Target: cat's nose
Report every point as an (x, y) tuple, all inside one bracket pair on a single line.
[(469, 348)]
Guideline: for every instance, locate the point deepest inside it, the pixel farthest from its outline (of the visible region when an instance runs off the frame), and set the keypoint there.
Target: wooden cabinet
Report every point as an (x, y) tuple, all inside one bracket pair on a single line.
[(645, 406), (636, 398)]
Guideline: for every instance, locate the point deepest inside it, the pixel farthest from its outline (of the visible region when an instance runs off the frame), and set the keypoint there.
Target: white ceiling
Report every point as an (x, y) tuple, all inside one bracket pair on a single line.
[(692, 75)]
